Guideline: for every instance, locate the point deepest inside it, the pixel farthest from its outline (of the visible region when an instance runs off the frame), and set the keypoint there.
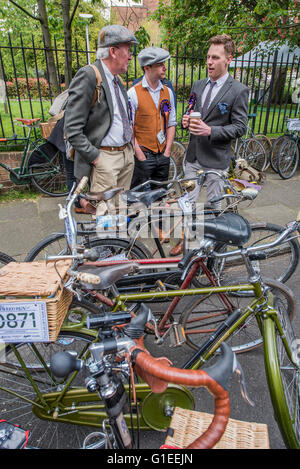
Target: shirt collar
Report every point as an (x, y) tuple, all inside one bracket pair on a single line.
[(146, 85), (221, 80), (107, 72)]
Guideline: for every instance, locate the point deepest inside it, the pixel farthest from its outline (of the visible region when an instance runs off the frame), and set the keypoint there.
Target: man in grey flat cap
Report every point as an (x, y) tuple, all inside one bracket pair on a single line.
[(100, 130), (154, 118)]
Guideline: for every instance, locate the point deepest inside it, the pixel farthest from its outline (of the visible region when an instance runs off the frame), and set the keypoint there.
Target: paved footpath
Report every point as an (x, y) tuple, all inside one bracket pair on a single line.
[(24, 223)]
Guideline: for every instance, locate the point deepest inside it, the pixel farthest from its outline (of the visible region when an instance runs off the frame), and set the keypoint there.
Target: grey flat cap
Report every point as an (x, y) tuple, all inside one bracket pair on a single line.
[(152, 55), (115, 34)]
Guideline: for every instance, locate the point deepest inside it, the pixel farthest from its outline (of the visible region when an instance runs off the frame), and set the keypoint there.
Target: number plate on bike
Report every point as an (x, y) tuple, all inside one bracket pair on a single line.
[(24, 322)]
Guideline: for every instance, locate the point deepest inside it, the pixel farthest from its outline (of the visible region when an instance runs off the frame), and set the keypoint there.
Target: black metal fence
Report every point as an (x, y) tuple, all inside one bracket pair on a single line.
[(25, 90)]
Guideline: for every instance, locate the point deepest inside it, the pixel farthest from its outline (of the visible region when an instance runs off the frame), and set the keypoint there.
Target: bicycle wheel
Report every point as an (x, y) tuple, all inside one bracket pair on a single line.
[(172, 169), (20, 403), (54, 183), (266, 143), (280, 263), (283, 374), (178, 153), (56, 244), (253, 151), (274, 151), (5, 259), (288, 159), (207, 312)]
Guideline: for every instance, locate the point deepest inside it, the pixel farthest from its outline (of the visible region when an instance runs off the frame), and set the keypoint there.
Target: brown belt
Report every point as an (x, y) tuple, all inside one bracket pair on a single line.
[(114, 148)]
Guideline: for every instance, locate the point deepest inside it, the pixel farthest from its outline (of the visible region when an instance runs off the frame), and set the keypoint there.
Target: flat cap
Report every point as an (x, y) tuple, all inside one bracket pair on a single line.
[(152, 55), (115, 34)]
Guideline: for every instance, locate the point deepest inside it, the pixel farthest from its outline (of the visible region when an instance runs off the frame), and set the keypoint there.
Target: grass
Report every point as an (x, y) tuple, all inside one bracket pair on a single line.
[(23, 193), (29, 110)]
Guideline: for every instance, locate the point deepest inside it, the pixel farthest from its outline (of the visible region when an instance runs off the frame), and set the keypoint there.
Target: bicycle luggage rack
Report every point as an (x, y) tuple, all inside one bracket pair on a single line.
[(186, 425)]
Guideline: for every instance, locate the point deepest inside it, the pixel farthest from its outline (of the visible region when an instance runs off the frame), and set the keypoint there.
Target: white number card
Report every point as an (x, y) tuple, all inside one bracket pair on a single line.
[(24, 322)]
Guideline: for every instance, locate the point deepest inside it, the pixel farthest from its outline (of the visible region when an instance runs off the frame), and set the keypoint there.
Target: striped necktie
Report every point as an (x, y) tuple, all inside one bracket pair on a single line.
[(208, 98)]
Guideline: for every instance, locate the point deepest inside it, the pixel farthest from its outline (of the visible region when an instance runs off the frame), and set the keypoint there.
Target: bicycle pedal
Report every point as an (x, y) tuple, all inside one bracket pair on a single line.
[(177, 335)]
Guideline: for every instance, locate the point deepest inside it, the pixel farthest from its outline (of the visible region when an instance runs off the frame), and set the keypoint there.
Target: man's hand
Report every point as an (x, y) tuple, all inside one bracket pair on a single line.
[(185, 121), (198, 127)]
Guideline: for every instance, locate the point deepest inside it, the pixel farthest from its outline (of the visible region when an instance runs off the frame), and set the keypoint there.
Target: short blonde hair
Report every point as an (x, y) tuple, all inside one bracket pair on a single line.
[(227, 42)]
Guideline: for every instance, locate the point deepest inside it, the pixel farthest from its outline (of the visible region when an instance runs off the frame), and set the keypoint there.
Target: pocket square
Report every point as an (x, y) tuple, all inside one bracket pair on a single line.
[(223, 108)]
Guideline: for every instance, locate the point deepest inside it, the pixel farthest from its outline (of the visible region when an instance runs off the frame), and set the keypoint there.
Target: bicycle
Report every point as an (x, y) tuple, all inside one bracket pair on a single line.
[(288, 154), (5, 259), (66, 402), (284, 258), (41, 164), (277, 143), (250, 148)]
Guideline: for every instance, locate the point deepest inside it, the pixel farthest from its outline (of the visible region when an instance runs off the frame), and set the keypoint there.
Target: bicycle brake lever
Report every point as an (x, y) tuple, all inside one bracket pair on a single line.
[(237, 369)]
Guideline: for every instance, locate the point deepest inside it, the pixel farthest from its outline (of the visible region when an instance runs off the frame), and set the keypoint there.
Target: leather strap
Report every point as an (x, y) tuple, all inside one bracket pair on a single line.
[(114, 148)]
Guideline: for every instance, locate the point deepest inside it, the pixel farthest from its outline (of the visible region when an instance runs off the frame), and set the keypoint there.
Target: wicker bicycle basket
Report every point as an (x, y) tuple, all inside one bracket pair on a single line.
[(22, 282), (46, 128), (187, 425)]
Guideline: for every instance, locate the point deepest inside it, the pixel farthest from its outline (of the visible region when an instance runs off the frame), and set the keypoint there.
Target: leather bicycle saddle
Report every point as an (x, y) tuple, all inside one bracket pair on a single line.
[(229, 228), (98, 196), (108, 275), (146, 197)]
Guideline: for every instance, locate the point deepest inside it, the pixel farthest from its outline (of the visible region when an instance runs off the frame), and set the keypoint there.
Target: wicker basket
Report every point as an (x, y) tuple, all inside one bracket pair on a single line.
[(46, 128), (188, 425), (22, 282)]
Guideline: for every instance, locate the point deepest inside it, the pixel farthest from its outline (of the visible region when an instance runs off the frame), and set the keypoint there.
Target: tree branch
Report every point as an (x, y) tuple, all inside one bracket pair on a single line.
[(37, 18), (73, 12)]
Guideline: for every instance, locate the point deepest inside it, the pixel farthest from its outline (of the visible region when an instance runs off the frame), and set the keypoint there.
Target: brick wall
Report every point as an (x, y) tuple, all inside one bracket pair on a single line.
[(133, 17), (13, 160)]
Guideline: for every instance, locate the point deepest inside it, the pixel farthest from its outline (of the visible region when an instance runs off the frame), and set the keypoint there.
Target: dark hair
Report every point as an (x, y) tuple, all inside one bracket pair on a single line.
[(226, 40)]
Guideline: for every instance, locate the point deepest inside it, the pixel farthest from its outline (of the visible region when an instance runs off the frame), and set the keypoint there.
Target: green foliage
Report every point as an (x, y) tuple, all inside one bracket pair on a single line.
[(143, 37), (192, 22)]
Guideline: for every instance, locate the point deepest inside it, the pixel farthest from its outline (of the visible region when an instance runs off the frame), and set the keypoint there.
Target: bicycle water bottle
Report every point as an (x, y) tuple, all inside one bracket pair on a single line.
[(108, 221)]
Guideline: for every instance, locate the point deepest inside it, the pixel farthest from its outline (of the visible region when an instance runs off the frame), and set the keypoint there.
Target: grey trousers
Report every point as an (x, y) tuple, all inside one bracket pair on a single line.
[(214, 184)]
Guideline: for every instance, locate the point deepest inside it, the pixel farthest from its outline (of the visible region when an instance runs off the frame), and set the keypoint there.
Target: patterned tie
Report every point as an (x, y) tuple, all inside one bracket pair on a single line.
[(208, 97), (127, 130)]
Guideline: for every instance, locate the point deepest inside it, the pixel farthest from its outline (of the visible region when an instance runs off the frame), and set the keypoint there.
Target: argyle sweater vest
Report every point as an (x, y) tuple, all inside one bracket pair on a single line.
[(148, 119)]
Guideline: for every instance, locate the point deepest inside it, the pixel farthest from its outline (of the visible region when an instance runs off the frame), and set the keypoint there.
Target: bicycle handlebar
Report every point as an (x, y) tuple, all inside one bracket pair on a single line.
[(151, 370)]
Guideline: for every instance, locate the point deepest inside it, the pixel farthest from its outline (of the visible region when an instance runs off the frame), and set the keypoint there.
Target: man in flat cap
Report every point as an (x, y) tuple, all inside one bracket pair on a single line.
[(101, 133), (154, 118)]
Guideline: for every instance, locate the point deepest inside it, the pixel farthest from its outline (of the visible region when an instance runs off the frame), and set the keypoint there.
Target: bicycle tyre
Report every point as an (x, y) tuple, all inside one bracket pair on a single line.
[(214, 311), (43, 433), (254, 153), (56, 244), (5, 259), (280, 263), (288, 159), (172, 169), (283, 375), (54, 185), (274, 151), (266, 143), (178, 152)]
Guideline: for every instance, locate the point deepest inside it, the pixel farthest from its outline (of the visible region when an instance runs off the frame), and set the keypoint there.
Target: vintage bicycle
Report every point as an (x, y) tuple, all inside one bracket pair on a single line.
[(41, 164)]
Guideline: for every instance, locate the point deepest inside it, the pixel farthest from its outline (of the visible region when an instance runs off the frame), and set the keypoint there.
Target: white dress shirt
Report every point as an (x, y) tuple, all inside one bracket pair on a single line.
[(219, 83), (155, 94), (114, 137)]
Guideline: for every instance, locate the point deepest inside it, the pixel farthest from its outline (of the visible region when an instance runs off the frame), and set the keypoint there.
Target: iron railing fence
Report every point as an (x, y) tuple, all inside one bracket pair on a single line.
[(25, 91)]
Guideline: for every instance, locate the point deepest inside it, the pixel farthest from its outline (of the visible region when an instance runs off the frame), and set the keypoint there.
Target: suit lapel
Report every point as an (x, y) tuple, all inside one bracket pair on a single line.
[(106, 87), (227, 85)]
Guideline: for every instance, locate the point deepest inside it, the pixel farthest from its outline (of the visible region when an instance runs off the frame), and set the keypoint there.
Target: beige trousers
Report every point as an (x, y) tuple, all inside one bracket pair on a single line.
[(113, 169)]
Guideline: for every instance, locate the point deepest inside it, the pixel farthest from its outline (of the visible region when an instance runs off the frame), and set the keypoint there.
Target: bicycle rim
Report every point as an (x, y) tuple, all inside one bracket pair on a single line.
[(206, 314), (266, 143), (178, 153), (283, 375), (287, 159), (43, 433), (280, 263), (274, 152), (53, 184), (56, 244), (253, 151)]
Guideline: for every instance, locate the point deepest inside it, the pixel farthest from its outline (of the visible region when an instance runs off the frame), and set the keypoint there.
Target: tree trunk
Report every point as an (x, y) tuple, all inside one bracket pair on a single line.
[(53, 81)]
